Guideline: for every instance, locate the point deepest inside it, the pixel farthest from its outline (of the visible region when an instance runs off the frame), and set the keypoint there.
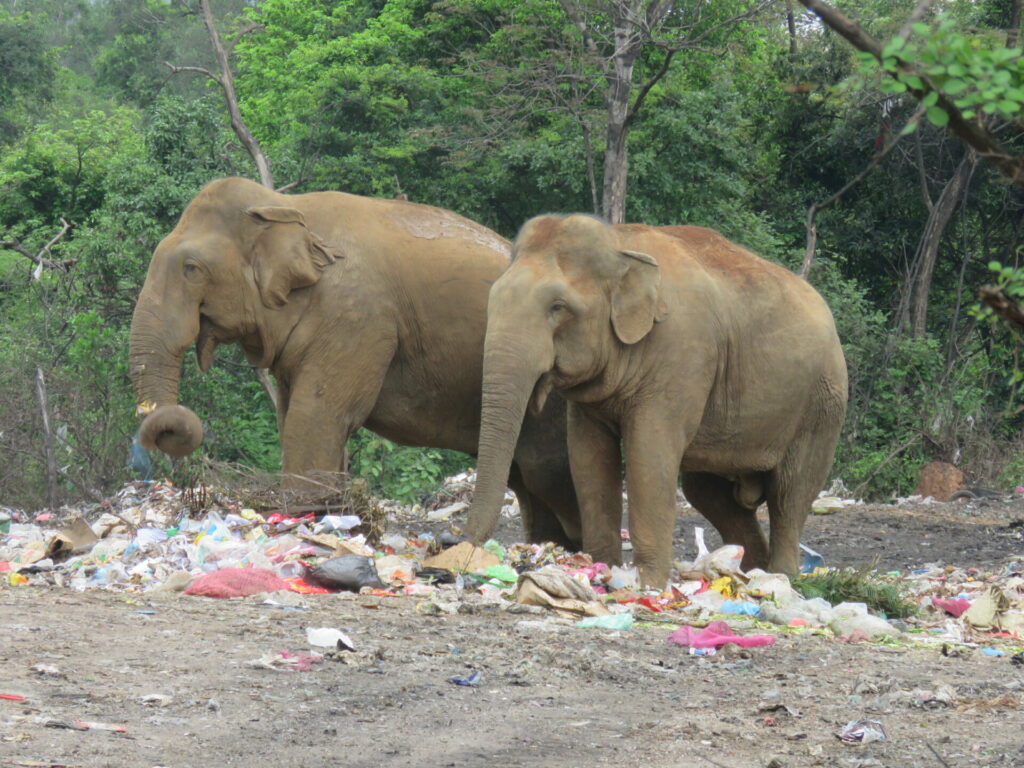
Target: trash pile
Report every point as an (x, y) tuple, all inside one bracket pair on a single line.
[(145, 540)]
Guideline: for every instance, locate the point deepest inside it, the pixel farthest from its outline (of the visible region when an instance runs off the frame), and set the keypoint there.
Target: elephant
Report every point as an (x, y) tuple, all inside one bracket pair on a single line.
[(698, 360), (368, 312)]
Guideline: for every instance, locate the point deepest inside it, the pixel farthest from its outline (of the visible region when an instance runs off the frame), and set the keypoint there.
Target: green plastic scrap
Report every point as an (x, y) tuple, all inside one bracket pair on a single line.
[(611, 621), (495, 548), (502, 572)]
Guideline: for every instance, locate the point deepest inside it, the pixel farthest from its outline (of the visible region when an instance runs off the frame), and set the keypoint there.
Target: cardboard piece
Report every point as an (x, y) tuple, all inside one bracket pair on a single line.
[(462, 557), (77, 537), (327, 541), (554, 588)]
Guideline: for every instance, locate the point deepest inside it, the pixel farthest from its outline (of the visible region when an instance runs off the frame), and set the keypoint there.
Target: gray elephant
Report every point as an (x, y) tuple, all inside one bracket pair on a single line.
[(690, 353), (368, 312)]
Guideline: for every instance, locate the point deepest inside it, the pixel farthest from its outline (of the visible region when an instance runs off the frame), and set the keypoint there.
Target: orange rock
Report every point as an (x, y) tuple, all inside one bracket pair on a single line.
[(939, 480)]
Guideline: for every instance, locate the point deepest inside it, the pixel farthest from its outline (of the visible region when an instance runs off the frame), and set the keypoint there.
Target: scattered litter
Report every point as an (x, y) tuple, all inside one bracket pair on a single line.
[(862, 732), (86, 725), (715, 635), (610, 621), (955, 606), (473, 678), (346, 572), (463, 557), (554, 588), (145, 540), (236, 582), (286, 661), (326, 637)]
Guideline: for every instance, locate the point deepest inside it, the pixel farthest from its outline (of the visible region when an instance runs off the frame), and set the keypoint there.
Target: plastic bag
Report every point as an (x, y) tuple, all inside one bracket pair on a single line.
[(348, 572), (236, 582)]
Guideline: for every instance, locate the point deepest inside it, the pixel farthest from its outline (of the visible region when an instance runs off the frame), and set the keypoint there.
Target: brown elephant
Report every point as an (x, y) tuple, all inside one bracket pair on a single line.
[(693, 355), (368, 312)]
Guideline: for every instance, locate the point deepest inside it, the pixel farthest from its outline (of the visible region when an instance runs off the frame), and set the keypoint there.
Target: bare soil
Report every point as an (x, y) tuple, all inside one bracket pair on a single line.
[(176, 672)]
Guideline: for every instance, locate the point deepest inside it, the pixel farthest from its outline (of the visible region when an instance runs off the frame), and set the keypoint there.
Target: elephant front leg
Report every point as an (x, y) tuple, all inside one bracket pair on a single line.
[(653, 454), (316, 427), (596, 463)]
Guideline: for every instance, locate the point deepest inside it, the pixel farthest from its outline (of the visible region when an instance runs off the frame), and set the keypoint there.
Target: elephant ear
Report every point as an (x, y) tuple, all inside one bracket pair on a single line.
[(286, 254), (636, 300)]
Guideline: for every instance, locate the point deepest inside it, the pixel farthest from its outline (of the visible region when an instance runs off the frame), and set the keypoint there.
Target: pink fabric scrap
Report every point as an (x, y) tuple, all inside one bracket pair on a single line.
[(715, 635), (954, 606)]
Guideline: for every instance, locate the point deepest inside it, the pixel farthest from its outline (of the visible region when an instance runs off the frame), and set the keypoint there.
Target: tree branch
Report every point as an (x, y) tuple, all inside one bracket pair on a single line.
[(1008, 309), (40, 258), (201, 70), (915, 16), (648, 85), (235, 38), (812, 230), (971, 133)]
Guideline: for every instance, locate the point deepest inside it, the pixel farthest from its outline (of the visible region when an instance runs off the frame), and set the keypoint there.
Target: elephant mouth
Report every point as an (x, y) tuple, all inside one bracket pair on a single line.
[(210, 336)]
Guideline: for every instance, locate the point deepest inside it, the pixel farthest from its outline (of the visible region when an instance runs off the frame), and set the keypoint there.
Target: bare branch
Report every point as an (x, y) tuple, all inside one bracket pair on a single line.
[(812, 229), (646, 88), (915, 16), (246, 30), (291, 185), (201, 70), (40, 259)]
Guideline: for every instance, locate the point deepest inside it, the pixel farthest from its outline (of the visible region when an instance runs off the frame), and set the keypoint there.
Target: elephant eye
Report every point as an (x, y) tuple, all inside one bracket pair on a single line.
[(191, 270), (559, 306)]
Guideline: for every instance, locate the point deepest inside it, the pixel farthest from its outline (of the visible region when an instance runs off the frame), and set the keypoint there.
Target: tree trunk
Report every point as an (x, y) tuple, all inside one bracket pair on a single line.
[(616, 157), (928, 250), (51, 461), (791, 26)]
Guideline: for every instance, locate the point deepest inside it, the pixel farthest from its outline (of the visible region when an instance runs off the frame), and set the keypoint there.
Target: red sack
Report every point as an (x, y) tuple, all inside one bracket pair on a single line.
[(236, 582)]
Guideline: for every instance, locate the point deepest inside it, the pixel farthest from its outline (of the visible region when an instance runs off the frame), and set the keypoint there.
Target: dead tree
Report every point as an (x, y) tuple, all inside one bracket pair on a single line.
[(226, 81)]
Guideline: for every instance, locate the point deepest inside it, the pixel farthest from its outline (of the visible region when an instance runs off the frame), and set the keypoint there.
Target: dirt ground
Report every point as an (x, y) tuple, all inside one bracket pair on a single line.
[(178, 674)]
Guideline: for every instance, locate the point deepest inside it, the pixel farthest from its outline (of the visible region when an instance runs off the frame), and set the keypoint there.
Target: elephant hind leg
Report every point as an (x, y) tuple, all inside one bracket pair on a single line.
[(791, 488), (716, 498), (541, 523)]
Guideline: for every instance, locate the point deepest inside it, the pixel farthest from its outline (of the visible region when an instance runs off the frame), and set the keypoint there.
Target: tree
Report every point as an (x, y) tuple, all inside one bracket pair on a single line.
[(616, 33)]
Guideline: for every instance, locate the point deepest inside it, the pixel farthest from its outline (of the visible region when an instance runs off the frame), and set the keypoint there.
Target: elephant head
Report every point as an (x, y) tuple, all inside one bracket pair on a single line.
[(559, 317), (224, 274)]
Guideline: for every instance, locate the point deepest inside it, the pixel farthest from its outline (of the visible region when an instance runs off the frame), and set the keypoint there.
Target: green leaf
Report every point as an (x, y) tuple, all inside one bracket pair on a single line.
[(913, 81), (909, 128), (930, 98), (893, 47), (921, 29), (937, 116), (953, 86)]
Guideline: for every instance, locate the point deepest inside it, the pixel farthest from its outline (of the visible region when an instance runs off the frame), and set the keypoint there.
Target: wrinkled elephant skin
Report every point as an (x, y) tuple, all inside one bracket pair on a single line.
[(694, 356), (367, 312)]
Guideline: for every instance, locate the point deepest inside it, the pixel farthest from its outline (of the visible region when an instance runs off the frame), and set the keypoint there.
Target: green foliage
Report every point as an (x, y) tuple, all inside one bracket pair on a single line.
[(882, 594), (494, 109), (400, 472), (977, 73)]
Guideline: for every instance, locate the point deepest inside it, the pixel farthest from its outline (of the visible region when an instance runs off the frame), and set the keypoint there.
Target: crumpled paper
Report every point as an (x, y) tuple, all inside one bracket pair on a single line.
[(553, 588)]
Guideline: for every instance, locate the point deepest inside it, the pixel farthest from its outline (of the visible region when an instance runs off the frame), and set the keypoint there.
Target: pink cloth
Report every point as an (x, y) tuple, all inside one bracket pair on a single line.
[(236, 582), (715, 635), (954, 606)]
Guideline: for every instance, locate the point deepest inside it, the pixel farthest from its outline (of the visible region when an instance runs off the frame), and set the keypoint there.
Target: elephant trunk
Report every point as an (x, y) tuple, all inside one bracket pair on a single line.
[(508, 381), (155, 371)]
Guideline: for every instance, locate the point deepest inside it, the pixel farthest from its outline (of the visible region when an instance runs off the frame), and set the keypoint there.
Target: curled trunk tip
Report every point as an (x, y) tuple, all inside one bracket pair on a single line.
[(173, 429)]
